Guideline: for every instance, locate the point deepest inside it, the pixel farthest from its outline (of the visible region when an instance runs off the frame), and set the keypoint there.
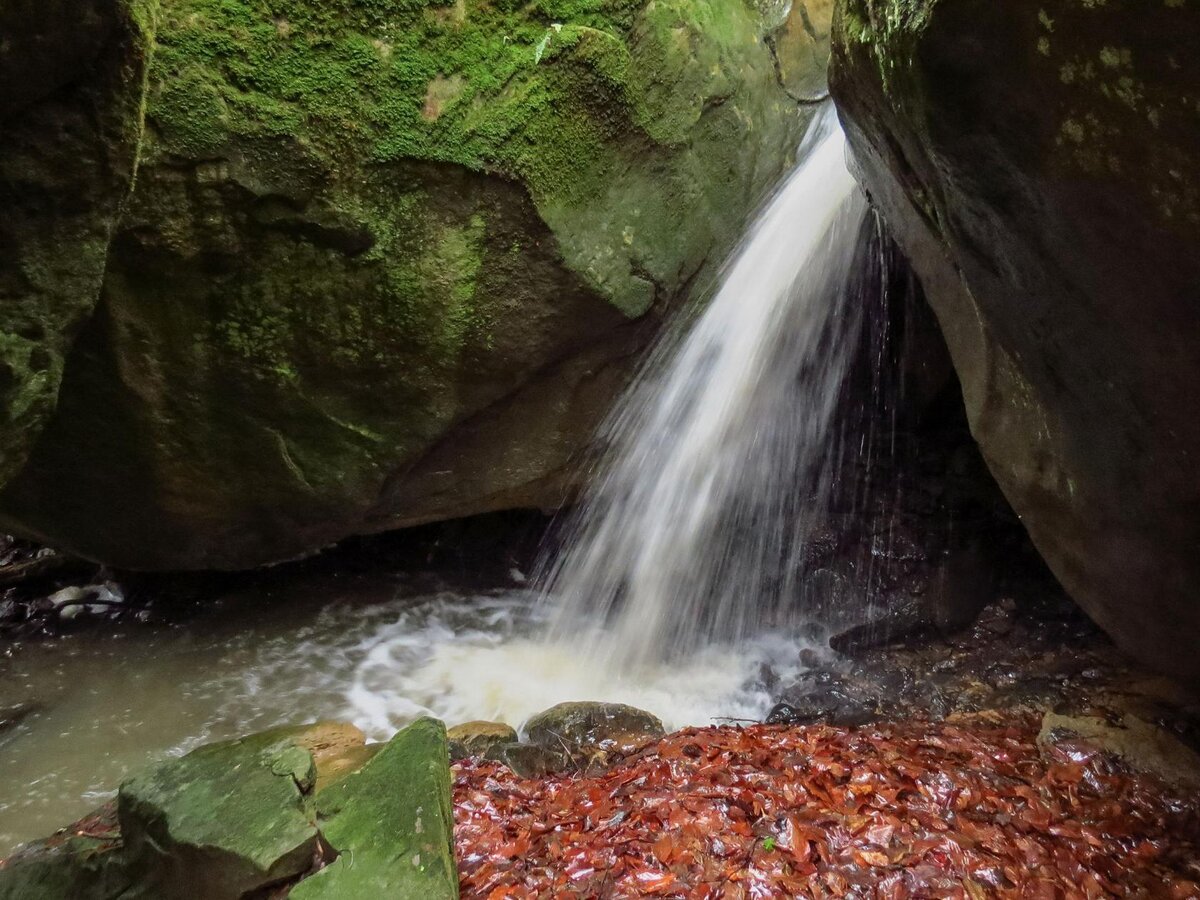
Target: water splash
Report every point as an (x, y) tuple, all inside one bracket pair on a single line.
[(694, 532)]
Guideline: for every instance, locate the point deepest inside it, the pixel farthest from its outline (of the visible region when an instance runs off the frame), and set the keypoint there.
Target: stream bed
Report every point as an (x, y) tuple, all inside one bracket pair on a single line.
[(375, 650)]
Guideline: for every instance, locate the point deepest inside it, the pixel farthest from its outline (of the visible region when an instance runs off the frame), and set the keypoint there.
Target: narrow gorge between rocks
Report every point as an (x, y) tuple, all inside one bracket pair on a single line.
[(707, 449)]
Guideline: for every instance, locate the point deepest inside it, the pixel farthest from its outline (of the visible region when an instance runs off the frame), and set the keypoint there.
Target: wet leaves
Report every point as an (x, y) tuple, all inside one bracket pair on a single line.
[(889, 811)]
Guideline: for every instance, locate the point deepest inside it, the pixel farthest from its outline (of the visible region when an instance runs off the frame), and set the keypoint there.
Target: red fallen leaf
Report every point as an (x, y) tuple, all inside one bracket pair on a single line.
[(871, 858), (664, 849), (652, 882)]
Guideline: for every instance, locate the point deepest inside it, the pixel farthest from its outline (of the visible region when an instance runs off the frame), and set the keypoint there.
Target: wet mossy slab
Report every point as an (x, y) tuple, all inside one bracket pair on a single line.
[(221, 821), (391, 823), (236, 818)]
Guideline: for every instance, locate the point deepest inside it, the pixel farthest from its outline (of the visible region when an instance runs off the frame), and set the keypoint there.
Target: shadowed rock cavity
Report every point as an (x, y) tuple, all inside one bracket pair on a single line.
[(1038, 167)]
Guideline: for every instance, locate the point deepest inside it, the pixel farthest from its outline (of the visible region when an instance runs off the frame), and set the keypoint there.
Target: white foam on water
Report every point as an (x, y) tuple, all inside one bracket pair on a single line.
[(431, 661)]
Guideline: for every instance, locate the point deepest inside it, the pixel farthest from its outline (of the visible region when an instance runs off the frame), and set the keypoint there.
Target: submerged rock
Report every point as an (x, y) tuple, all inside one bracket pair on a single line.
[(391, 824), (12, 716), (382, 263), (1038, 165)]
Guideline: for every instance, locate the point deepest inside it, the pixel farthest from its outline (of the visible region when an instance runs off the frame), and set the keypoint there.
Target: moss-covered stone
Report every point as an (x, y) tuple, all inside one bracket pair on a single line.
[(72, 79), (237, 818), (360, 227), (391, 824), (83, 862), (222, 821)]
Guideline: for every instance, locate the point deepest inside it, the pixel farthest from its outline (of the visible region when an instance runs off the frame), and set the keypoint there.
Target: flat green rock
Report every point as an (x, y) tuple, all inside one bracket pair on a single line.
[(224, 820), (391, 823)]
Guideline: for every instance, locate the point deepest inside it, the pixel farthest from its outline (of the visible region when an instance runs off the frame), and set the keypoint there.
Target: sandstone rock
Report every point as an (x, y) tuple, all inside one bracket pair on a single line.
[(477, 738), (384, 263), (1141, 745), (391, 824), (1038, 166)]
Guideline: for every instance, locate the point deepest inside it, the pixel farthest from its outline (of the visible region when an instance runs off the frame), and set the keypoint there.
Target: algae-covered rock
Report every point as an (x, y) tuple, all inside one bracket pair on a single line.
[(391, 824), (1040, 165), (226, 819), (385, 262), (223, 820), (82, 862)]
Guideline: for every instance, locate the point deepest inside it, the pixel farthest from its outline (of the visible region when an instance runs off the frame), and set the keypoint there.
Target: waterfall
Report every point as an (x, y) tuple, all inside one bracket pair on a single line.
[(694, 530), (677, 583)]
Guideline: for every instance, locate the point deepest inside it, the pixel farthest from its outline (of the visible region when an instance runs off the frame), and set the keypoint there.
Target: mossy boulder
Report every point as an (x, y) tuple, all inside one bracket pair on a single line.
[(251, 816), (1040, 165), (390, 261), (222, 821), (83, 862), (391, 824)]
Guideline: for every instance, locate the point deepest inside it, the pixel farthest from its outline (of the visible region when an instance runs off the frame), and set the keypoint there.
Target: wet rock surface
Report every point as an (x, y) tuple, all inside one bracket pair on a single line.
[(1041, 655), (1037, 164), (222, 821), (478, 738), (390, 824), (587, 733)]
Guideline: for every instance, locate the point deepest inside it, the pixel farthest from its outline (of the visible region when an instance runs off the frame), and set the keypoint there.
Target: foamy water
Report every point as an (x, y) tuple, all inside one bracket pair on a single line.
[(498, 671)]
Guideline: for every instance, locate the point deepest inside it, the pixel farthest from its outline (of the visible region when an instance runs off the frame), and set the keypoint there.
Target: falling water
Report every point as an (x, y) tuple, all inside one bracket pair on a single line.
[(694, 532), (678, 579)]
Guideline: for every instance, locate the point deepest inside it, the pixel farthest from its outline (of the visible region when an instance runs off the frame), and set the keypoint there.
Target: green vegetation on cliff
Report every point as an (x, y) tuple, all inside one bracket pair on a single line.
[(358, 226)]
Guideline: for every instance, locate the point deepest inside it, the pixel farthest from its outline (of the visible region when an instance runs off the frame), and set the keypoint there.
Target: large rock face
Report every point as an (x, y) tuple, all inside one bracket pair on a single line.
[(385, 261), (71, 81), (1039, 164)]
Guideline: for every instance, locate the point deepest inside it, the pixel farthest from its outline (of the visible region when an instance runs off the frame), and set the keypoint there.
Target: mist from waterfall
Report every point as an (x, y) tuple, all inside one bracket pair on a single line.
[(717, 459)]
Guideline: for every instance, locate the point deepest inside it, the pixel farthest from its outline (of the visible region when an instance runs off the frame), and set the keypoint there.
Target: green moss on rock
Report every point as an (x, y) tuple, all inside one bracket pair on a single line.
[(391, 824), (313, 285)]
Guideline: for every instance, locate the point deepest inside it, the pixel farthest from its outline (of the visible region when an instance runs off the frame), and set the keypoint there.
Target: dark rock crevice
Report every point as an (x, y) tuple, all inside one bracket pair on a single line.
[(1023, 159)]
